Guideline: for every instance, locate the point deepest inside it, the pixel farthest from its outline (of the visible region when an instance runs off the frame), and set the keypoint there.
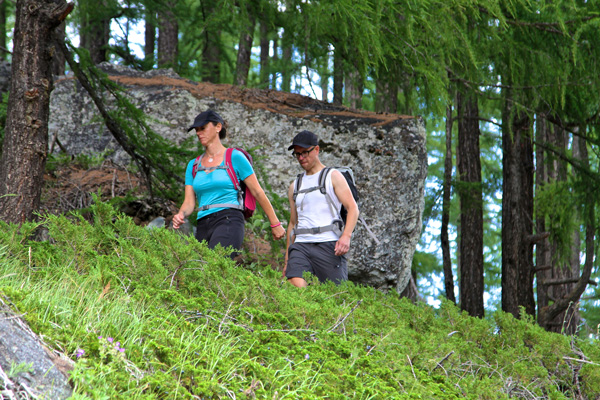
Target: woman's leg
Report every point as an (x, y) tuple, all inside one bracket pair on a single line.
[(225, 228)]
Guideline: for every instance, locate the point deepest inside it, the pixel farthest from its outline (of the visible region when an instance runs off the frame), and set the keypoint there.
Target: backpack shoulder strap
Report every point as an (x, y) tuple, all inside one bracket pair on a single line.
[(197, 164), (323, 178), (297, 184), (231, 170)]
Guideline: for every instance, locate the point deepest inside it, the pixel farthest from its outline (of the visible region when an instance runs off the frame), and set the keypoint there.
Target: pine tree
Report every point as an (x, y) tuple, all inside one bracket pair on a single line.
[(25, 144)]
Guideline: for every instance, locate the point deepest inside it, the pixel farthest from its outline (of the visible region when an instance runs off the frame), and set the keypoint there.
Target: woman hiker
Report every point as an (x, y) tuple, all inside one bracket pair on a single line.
[(211, 189)]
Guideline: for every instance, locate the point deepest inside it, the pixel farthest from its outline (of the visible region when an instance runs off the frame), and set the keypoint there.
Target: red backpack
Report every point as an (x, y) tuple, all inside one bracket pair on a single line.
[(245, 197)]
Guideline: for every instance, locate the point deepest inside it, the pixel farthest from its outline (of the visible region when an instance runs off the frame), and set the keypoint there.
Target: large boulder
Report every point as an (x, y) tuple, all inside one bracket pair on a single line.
[(386, 151), (28, 369)]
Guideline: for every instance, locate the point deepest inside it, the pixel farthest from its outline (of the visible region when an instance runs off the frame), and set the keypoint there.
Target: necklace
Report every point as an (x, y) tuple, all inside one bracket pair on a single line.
[(210, 158)]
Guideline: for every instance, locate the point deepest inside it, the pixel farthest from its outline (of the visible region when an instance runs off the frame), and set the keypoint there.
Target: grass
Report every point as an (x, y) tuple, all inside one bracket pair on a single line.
[(145, 314)]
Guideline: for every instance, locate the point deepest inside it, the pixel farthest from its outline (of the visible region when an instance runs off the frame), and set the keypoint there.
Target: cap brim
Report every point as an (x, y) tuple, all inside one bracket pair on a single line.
[(198, 124), (304, 145)]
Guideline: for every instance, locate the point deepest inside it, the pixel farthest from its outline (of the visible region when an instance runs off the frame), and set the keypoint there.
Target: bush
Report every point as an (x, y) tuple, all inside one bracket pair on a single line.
[(152, 314)]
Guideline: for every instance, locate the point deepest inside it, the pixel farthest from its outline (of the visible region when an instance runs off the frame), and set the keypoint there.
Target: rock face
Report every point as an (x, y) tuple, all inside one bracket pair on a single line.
[(386, 151), (22, 350)]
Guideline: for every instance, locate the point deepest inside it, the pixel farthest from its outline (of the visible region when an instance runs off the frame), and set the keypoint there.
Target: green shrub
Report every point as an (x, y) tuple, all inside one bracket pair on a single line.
[(185, 321)]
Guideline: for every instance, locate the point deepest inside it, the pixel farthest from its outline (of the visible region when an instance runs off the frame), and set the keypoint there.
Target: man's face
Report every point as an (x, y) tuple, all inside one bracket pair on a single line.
[(306, 156)]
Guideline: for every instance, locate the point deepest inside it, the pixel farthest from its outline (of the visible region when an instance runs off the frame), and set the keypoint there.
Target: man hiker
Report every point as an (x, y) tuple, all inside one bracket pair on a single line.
[(317, 237)]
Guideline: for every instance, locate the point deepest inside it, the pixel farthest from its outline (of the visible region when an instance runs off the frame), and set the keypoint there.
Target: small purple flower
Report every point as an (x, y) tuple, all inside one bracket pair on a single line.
[(99, 337), (122, 350), (80, 352), (109, 339), (306, 357)]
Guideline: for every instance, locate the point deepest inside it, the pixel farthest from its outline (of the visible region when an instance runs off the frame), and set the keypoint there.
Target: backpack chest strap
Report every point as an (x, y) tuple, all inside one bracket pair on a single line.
[(336, 226), (199, 167)]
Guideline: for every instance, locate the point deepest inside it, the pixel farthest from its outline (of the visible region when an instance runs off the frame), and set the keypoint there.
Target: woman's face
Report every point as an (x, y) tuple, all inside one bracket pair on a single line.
[(208, 133)]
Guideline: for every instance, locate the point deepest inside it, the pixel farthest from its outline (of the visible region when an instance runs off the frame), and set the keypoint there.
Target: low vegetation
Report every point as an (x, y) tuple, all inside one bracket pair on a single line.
[(145, 313)]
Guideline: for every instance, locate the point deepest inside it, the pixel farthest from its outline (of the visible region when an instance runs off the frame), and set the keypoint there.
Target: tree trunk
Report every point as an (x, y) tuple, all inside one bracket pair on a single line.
[(517, 213), (286, 62), (168, 29), (468, 166), (559, 270), (26, 136), (566, 269), (287, 42), (445, 242), (272, 72), (548, 315), (338, 76), (150, 36), (386, 95), (571, 318), (354, 88), (3, 31), (58, 59), (211, 53), (264, 55), (95, 29), (245, 48), (324, 84), (543, 259), (411, 291)]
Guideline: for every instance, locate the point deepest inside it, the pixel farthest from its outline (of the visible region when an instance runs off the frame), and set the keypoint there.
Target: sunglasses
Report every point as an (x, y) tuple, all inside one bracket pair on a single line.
[(302, 154)]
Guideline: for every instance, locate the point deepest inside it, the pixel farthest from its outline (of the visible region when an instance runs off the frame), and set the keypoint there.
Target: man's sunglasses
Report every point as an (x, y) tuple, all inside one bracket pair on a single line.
[(302, 154)]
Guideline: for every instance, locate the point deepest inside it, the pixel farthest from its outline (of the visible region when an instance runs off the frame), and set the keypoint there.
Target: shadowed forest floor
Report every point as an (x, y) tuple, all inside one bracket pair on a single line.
[(70, 187)]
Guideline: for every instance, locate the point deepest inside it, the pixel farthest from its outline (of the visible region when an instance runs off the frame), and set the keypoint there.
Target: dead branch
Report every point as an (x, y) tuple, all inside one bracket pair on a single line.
[(439, 363), (346, 316)]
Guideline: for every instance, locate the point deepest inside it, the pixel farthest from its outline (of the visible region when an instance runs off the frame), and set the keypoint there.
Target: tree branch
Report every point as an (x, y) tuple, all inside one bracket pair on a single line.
[(62, 11), (543, 268), (144, 163), (552, 282), (547, 314), (538, 237), (551, 27)]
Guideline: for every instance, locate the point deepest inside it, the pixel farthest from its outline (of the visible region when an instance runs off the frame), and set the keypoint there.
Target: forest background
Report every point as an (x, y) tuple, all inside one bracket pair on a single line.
[(510, 91)]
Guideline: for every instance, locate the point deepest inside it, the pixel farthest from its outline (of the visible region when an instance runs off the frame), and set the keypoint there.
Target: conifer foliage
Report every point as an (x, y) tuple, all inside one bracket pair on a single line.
[(144, 314), (521, 77)]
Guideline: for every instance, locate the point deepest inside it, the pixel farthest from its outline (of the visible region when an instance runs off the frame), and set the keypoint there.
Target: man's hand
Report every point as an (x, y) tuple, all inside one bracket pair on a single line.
[(342, 246)]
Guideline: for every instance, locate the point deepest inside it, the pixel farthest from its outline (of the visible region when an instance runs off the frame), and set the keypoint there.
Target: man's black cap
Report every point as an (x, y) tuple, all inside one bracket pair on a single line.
[(305, 139), (204, 118)]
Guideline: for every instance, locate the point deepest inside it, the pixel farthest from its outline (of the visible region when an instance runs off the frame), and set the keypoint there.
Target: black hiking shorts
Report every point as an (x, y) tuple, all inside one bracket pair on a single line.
[(319, 259), (225, 227)]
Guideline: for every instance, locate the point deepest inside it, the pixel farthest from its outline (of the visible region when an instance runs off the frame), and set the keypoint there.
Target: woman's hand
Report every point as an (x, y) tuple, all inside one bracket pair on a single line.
[(278, 232), (178, 220)]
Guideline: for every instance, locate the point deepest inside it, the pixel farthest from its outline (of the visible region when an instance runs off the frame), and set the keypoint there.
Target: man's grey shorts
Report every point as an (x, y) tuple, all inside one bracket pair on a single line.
[(319, 259)]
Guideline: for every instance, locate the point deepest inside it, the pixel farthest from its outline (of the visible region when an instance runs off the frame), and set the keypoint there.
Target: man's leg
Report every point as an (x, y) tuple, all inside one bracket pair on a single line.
[(298, 282), (298, 264), (327, 265)]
